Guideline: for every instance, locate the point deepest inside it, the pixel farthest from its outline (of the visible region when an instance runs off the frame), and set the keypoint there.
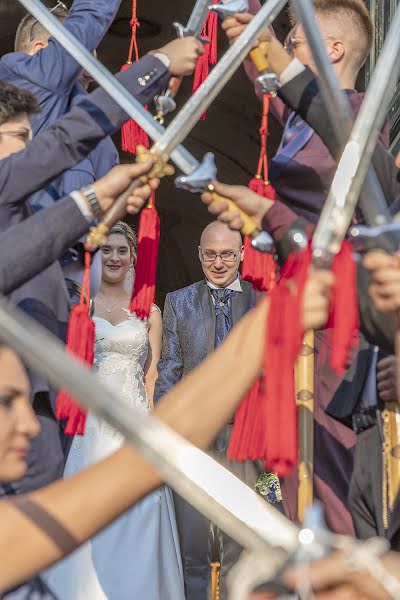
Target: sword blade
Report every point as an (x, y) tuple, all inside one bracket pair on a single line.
[(210, 488), (372, 200), (181, 157), (198, 17), (356, 157), (190, 114)]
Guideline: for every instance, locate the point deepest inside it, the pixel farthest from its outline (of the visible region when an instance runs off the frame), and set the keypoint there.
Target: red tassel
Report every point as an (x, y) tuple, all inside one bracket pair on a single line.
[(277, 411), (210, 56), (131, 134), (283, 342), (247, 441), (343, 315), (265, 424), (80, 342), (257, 268), (146, 267)]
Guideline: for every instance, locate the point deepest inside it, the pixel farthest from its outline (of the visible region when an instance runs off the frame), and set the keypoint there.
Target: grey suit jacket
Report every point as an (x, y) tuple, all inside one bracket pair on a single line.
[(37, 242), (189, 330)]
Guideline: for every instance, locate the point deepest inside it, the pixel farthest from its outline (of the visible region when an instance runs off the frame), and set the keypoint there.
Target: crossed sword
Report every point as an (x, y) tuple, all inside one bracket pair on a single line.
[(252, 522)]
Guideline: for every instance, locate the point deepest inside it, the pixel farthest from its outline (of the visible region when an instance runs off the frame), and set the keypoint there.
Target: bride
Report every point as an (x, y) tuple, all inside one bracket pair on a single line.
[(138, 556)]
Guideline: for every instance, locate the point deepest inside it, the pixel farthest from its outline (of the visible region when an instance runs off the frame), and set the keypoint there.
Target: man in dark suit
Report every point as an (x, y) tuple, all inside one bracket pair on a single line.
[(303, 168), (196, 319)]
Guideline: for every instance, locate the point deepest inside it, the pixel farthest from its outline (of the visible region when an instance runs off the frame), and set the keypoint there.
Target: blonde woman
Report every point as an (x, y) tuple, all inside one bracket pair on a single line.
[(137, 556)]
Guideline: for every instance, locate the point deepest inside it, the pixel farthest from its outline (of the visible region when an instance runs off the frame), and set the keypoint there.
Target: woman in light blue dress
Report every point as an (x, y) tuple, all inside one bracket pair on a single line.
[(138, 556)]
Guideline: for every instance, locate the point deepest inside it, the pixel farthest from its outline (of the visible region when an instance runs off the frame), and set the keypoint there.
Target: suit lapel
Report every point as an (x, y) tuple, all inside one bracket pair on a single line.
[(242, 302), (207, 309)]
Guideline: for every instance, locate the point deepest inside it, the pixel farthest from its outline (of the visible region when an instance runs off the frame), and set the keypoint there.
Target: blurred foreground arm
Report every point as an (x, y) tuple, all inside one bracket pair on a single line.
[(42, 527)]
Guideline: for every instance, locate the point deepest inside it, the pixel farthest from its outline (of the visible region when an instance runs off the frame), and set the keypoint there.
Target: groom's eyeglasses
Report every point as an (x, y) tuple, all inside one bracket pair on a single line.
[(35, 22), (227, 257)]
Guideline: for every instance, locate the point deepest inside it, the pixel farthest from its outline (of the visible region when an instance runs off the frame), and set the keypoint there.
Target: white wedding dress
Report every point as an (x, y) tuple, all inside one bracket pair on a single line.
[(138, 556)]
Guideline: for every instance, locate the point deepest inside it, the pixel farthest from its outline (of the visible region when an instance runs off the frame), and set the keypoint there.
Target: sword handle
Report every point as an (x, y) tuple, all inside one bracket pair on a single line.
[(174, 85), (97, 236), (259, 60), (249, 228)]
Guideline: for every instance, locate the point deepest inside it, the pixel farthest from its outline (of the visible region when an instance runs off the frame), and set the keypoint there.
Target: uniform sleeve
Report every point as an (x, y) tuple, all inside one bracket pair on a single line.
[(72, 137), (39, 241), (53, 68)]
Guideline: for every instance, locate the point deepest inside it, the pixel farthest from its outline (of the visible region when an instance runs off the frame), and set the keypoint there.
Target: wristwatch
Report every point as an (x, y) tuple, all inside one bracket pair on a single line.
[(92, 200)]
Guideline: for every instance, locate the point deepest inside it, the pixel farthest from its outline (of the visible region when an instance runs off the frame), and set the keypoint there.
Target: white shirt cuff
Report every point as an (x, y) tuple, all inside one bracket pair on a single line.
[(82, 205), (163, 58), (292, 70)]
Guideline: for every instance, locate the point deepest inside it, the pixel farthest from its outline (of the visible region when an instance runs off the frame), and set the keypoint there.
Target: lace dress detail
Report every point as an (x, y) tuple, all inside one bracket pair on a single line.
[(138, 556)]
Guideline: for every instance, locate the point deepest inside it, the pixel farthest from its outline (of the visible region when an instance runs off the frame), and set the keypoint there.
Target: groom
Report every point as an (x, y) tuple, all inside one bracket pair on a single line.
[(196, 319)]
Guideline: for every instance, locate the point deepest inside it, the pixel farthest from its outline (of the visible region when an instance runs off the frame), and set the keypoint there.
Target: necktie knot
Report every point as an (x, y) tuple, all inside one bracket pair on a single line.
[(223, 320), (221, 296)]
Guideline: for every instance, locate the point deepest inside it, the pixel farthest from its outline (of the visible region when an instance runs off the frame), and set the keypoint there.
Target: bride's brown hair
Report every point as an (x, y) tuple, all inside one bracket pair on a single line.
[(129, 234)]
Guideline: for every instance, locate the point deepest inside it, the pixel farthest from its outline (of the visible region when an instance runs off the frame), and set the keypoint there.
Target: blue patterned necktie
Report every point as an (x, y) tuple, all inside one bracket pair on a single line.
[(223, 319)]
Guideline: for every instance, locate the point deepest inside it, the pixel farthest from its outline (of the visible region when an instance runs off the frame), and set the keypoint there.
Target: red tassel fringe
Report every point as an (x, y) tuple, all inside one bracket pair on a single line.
[(266, 422), (343, 314), (146, 266), (80, 343), (210, 56), (132, 135), (257, 268)]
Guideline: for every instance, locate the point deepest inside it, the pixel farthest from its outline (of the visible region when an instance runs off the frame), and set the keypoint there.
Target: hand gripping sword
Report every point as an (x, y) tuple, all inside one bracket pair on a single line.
[(165, 103), (266, 79)]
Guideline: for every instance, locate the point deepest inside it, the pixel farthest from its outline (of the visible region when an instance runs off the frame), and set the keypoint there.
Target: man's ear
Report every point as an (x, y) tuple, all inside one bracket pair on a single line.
[(241, 254), (336, 51), (38, 45)]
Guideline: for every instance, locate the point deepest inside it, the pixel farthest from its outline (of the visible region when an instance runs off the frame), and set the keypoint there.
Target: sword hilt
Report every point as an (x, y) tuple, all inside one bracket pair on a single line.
[(98, 235), (250, 227), (267, 80)]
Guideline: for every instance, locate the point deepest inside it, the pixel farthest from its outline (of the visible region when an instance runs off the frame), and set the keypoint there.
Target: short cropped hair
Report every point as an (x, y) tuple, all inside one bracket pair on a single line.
[(30, 30), (15, 101), (354, 14)]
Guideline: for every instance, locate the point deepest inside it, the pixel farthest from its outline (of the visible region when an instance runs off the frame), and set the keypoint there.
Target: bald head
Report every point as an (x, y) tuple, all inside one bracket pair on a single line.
[(217, 231), (220, 254)]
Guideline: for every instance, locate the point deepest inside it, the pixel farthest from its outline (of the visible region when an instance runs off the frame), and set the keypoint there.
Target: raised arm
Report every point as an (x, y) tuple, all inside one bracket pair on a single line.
[(170, 367), (44, 526), (40, 240), (53, 68), (73, 136)]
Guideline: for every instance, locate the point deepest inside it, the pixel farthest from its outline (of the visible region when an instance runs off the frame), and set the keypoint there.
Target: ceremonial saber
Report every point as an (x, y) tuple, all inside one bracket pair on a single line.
[(339, 208), (190, 114), (188, 117), (114, 88), (204, 483), (180, 156), (165, 103), (372, 201)]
